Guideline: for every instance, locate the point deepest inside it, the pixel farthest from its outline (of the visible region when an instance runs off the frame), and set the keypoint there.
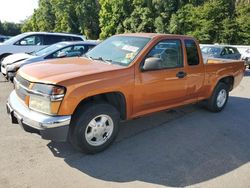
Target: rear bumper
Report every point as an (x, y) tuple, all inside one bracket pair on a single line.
[(49, 127)]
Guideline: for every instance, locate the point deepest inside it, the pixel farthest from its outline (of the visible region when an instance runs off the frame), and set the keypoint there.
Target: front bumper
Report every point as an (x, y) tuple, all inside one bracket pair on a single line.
[(3, 70), (8, 74), (49, 127)]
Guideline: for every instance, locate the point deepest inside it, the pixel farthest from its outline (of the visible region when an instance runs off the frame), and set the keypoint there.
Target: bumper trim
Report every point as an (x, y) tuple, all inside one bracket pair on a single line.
[(50, 127)]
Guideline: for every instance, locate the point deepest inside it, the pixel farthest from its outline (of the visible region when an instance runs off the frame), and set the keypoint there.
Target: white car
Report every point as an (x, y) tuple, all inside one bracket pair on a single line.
[(246, 57), (33, 41), (12, 63)]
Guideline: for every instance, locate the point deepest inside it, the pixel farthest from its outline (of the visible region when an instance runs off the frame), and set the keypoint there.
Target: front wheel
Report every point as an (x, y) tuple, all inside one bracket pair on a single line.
[(94, 128), (219, 98)]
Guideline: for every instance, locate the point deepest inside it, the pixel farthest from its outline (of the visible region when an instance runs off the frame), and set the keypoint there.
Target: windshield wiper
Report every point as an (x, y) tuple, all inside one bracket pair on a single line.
[(109, 61)]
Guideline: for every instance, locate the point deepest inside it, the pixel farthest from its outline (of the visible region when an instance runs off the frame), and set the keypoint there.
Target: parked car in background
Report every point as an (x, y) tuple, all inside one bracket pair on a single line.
[(3, 38), (12, 63), (224, 52), (246, 57), (33, 41)]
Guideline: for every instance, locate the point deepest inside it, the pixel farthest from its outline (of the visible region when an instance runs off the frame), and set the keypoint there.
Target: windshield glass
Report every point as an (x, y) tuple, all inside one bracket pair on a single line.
[(211, 50), (49, 49), (118, 49)]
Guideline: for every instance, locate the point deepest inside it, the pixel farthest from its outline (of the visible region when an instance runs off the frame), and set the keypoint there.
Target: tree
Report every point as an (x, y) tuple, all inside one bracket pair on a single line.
[(73, 16), (142, 17), (10, 28), (87, 14), (1, 27), (164, 11), (182, 22), (243, 22), (112, 15)]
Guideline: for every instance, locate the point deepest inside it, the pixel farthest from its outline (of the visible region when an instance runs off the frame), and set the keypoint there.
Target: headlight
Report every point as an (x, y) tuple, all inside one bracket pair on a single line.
[(11, 68), (46, 98)]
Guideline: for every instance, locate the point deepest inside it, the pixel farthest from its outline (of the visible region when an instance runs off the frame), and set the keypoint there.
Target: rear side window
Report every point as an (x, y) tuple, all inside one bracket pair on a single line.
[(52, 39), (77, 39), (192, 52), (233, 50)]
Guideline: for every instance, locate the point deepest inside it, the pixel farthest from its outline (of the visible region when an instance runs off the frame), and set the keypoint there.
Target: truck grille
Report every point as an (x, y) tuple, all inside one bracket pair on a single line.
[(20, 87)]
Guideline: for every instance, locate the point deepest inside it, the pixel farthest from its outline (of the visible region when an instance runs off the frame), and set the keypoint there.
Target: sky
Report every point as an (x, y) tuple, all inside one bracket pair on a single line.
[(16, 10)]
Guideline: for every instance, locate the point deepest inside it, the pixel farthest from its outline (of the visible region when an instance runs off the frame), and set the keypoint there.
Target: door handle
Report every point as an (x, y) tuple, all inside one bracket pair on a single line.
[(181, 74)]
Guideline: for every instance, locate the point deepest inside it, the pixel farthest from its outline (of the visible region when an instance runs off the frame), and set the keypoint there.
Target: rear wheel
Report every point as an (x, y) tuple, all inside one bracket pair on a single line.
[(219, 98), (94, 128)]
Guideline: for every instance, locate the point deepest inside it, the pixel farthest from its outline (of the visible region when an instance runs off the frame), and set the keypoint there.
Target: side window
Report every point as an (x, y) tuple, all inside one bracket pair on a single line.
[(77, 39), (236, 51), (33, 40), (51, 39), (61, 53), (81, 49), (230, 51), (65, 38), (170, 53), (91, 47), (192, 52)]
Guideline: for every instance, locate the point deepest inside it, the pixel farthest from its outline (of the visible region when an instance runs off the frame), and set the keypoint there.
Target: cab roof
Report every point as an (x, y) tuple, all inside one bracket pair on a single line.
[(154, 35)]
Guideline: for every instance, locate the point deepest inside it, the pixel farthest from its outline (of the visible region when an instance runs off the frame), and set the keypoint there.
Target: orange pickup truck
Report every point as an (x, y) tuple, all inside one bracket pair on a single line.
[(82, 99)]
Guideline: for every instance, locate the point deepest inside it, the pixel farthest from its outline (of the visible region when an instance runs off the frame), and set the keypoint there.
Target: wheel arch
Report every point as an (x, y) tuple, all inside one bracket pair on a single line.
[(116, 99), (228, 80)]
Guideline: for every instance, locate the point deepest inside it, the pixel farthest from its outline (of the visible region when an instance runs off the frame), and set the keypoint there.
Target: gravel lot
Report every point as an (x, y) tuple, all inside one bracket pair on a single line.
[(184, 147)]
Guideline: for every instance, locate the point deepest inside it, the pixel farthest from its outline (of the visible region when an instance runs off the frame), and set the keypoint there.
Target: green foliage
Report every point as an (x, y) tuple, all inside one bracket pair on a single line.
[(210, 21), (214, 21), (72, 16), (9, 28), (112, 15), (142, 17), (243, 22)]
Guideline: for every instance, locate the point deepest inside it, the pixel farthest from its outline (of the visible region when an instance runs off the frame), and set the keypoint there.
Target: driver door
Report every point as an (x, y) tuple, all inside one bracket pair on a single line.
[(164, 88)]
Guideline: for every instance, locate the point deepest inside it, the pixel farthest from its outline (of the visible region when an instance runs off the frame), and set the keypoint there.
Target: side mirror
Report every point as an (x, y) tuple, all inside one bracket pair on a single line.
[(23, 42), (62, 54), (152, 63)]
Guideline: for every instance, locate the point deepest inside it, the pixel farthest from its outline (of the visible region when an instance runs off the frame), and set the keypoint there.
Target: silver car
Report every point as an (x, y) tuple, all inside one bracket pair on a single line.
[(12, 63), (246, 57), (224, 52)]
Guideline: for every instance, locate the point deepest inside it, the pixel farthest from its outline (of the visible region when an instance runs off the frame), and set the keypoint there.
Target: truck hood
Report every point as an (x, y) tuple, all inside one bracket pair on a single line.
[(15, 58), (57, 71)]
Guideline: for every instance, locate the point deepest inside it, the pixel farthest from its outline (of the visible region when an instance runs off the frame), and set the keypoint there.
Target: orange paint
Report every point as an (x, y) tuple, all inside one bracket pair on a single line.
[(145, 92)]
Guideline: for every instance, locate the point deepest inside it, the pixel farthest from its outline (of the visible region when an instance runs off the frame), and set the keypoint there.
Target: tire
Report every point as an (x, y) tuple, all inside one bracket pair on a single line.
[(219, 98), (94, 127)]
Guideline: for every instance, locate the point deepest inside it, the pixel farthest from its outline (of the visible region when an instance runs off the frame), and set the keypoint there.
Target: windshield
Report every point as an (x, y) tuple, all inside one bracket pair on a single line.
[(49, 49), (211, 50), (118, 49)]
